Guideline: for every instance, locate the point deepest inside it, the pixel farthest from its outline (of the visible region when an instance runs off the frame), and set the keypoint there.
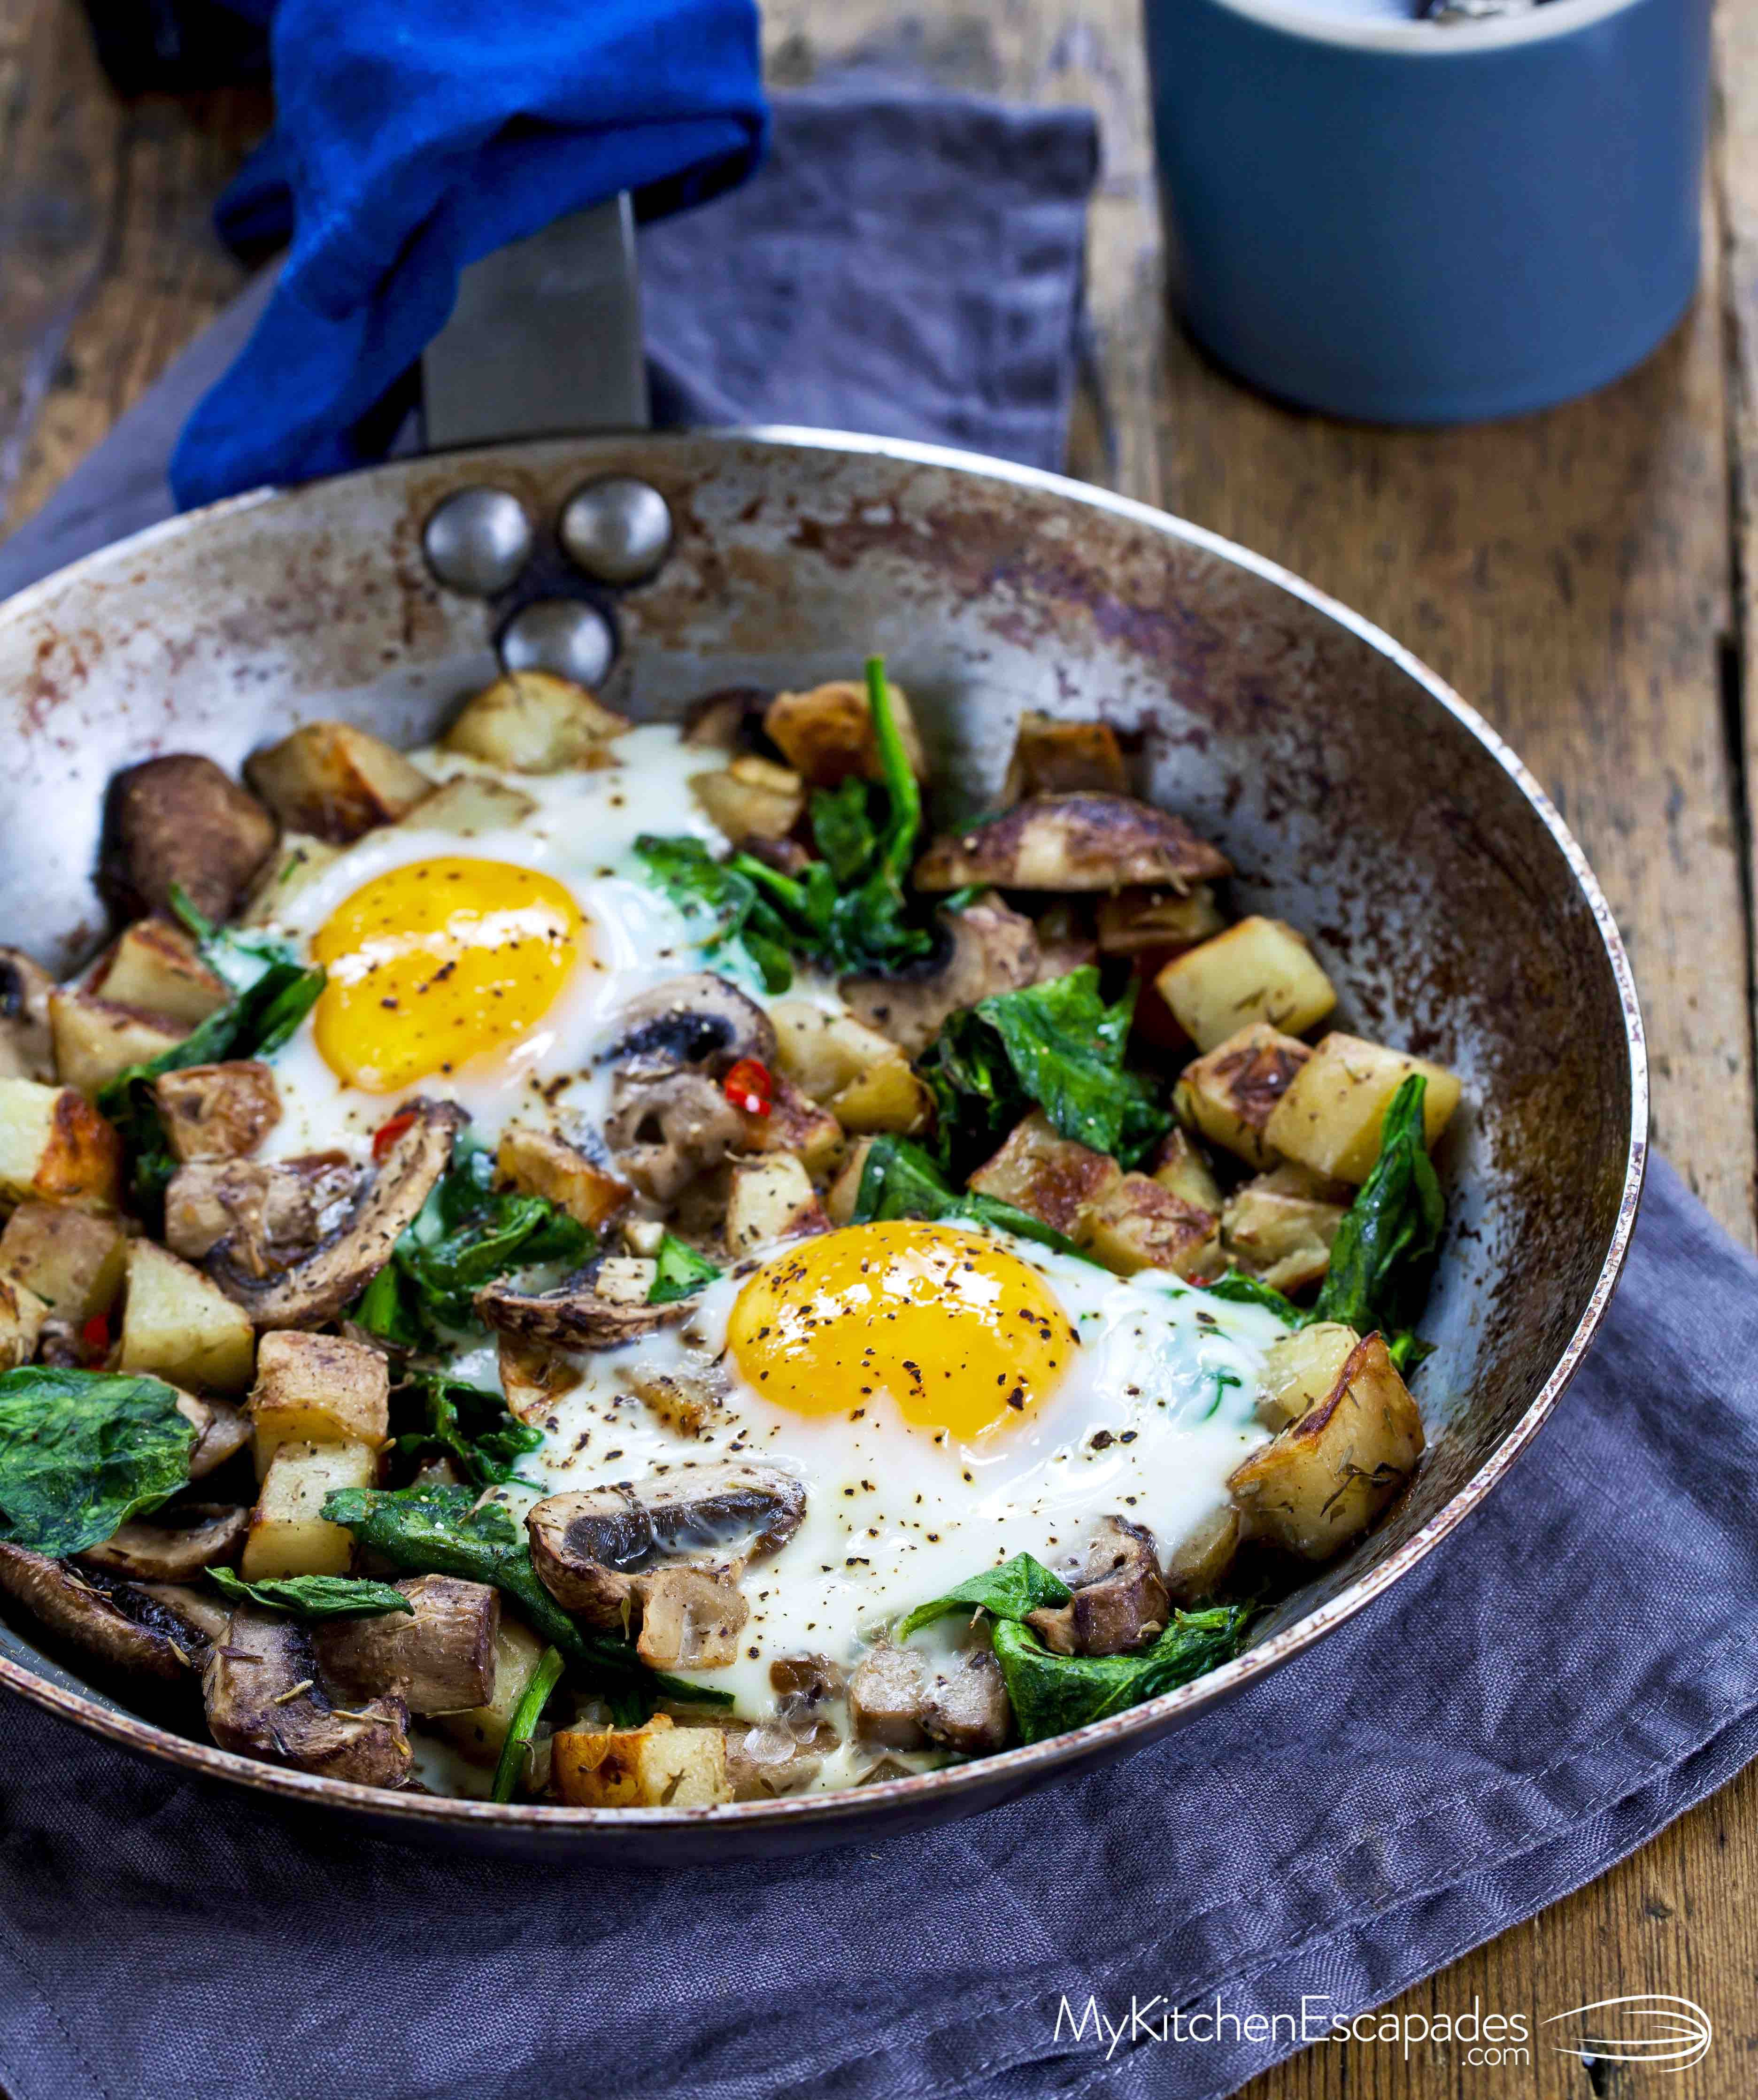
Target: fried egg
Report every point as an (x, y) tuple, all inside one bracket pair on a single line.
[(949, 1395)]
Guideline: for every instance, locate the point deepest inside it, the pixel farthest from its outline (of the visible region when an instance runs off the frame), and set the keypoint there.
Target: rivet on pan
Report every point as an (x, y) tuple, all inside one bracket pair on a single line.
[(477, 541), (618, 530), (559, 634)]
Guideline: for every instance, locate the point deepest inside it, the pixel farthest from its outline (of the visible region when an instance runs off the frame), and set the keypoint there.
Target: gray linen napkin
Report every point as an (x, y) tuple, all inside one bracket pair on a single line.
[(1570, 1671)]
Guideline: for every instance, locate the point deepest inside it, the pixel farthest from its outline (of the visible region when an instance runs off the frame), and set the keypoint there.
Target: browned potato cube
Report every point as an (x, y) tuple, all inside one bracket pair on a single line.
[(823, 1052), (533, 721), (155, 965), (1258, 970), (625, 1279), (656, 1766), (840, 1198), (336, 781), (289, 1534), (25, 989), (1228, 1096), (180, 823), (1052, 1176), (751, 799), (1280, 1227), (1302, 1369), (55, 1148), (218, 1111), (480, 1732), (294, 865), (1182, 1166), (94, 1040), (1198, 1564), (771, 1199), (1052, 757), (73, 1261), (1138, 1225), (1329, 1116), (1315, 1487), (178, 1326), (467, 806), (542, 1164), (795, 1124), (317, 1389), (888, 1096), (827, 734), (22, 1313), (1133, 921)]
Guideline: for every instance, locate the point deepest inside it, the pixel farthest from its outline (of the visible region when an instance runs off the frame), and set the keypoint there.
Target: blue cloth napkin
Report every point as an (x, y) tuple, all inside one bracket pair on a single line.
[(1573, 1669), (415, 138)]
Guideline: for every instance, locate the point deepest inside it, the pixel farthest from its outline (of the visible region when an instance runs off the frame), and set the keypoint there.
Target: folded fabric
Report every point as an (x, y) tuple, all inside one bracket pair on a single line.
[(412, 139)]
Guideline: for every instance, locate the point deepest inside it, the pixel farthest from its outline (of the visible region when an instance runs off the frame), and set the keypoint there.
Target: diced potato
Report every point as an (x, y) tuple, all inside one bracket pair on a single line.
[(467, 806), (656, 1766), (1054, 1177), (1330, 1117), (22, 1313), (1280, 1227), (480, 1732), (823, 1052), (336, 781), (1133, 921), (840, 1198), (289, 1534), (294, 865), (888, 1096), (1198, 1564), (25, 989), (1258, 970), (1227, 1096), (1182, 1166), (155, 965), (1052, 757), (641, 1236), (55, 1148), (771, 1199), (625, 1279), (1317, 1486), (1302, 1369), (218, 1111), (827, 734), (74, 1262), (178, 1326), (1137, 1224), (317, 1389), (94, 1040), (532, 721), (751, 799), (795, 1124), (542, 1164)]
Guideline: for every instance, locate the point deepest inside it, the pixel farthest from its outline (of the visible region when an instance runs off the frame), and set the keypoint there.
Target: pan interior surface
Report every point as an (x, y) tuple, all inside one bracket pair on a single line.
[(1357, 798)]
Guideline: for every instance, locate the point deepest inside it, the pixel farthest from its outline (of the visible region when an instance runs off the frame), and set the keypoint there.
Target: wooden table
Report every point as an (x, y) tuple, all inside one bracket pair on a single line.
[(1589, 578)]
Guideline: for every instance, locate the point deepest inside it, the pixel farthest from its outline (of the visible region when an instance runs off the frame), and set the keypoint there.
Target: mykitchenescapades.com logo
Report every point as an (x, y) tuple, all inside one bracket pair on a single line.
[(1664, 2033)]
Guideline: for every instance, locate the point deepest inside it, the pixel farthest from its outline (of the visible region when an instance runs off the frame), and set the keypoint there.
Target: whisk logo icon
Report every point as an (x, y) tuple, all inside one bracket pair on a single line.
[(1650, 2027)]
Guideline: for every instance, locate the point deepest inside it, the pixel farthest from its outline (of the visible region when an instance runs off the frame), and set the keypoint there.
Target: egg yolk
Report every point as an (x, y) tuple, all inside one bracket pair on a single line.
[(438, 962), (960, 1334)]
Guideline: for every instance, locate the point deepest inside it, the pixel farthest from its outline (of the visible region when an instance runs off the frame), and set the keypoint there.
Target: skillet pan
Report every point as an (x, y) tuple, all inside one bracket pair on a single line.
[(1356, 794)]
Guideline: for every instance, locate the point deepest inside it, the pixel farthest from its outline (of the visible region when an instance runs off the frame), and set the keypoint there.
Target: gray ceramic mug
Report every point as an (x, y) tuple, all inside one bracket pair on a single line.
[(1405, 221)]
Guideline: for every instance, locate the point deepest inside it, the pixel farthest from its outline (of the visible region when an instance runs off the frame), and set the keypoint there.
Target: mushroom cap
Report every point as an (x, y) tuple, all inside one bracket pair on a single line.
[(265, 1699), (178, 1546), (1082, 841), (699, 1023)]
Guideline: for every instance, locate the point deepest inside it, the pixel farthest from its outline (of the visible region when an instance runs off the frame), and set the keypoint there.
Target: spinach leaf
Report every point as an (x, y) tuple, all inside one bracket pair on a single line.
[(1052, 1693), (442, 1531), (1010, 1591), (509, 1769), (467, 1233), (1381, 1257), (681, 1272), (313, 1596), (82, 1452), (1239, 1289), (740, 915), (472, 1427), (1057, 1046), (900, 1180)]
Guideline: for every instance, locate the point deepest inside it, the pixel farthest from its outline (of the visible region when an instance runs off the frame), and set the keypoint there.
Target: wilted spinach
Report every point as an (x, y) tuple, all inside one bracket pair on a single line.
[(1050, 1694), (680, 1271), (1017, 1587), (900, 1180), (82, 1452), (469, 1425), (313, 1596)]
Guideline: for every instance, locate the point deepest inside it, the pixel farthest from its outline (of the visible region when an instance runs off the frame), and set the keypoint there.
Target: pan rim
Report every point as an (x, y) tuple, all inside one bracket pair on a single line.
[(1008, 1771)]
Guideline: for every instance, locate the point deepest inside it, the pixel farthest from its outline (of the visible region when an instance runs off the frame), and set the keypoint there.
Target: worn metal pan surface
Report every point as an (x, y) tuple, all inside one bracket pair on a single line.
[(1358, 796)]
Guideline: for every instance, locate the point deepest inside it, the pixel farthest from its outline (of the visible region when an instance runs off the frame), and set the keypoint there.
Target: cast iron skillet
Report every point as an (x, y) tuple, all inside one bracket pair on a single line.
[(1358, 796)]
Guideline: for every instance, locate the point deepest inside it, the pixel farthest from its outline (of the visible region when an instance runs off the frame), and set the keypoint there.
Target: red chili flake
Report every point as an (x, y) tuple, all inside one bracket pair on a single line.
[(749, 1086), (387, 1134), (96, 1335)]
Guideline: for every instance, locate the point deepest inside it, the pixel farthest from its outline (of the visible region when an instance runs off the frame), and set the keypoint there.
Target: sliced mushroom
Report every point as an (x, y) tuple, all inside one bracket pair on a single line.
[(95, 1614), (1120, 1599), (804, 1685), (265, 1699), (439, 1661), (25, 1050), (179, 823), (764, 1760), (197, 1618), (573, 1316), (222, 1431), (729, 719), (666, 1130), (691, 1618), (898, 1700), (1078, 841), (203, 1535), (317, 1289), (268, 1214), (218, 1111), (989, 949), (699, 1023)]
